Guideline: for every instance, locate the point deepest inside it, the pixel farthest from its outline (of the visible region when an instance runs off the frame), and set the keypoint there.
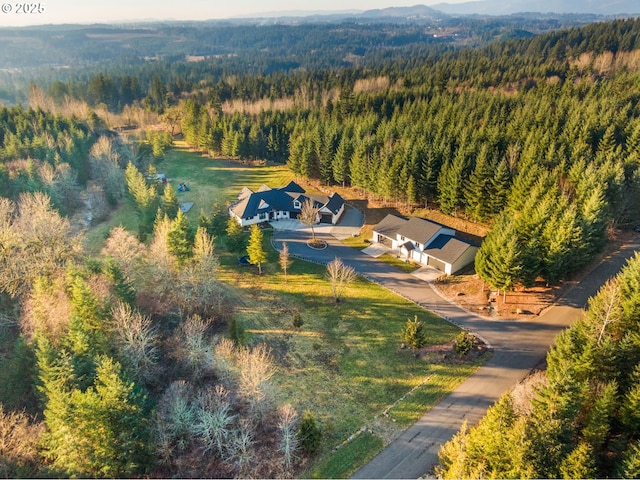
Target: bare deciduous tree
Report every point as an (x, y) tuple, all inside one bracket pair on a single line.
[(125, 249), (47, 309), (287, 427), (35, 242), (284, 259), (214, 420), (339, 275), (137, 340), (255, 369), (196, 351), (309, 215), (19, 447), (224, 360), (106, 164), (197, 288), (242, 452), (175, 419)]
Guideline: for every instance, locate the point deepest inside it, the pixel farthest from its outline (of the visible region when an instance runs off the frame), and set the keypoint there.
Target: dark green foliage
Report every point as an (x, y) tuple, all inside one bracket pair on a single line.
[(102, 431), (309, 432), (463, 343), (219, 219), (414, 333), (235, 236), (582, 422), (17, 376), (170, 204), (180, 237), (236, 331), (122, 286), (42, 138), (297, 320)]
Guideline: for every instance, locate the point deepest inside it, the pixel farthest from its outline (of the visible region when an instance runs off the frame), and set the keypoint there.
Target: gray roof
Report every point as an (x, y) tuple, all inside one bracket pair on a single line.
[(419, 230), (390, 225), (447, 248)]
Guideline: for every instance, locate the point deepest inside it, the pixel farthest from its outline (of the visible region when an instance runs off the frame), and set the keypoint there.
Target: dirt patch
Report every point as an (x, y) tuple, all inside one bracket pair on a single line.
[(469, 291), (445, 353)]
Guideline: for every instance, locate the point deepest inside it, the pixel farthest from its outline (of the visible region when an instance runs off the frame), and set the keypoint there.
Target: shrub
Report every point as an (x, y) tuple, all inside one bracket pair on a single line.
[(463, 343), (309, 433), (297, 320), (236, 331), (414, 333)]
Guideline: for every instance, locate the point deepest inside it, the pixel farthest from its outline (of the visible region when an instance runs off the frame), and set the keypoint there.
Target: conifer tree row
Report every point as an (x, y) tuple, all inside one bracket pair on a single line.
[(579, 421)]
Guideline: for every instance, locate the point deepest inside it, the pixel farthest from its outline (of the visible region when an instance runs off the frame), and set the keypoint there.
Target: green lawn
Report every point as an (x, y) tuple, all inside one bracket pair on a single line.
[(345, 362), (213, 179)]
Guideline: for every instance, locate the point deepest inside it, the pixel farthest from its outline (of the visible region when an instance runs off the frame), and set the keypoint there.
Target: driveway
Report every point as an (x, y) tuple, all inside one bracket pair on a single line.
[(519, 346), (349, 225)]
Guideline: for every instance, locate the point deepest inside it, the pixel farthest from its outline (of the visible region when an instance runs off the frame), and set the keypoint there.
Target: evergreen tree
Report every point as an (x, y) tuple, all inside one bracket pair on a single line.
[(170, 204), (477, 192), (102, 431), (180, 238), (499, 189), (257, 254), (235, 236), (450, 182)]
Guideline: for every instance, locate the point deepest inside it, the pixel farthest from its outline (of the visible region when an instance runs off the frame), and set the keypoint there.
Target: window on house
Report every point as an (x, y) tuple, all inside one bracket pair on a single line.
[(262, 216)]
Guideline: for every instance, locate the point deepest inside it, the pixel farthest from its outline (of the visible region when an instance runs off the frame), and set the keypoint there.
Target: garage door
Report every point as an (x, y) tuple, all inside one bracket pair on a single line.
[(326, 218), (434, 262)]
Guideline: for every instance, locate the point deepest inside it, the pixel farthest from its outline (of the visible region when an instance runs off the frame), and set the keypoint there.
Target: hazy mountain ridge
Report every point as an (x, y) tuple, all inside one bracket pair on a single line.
[(509, 7)]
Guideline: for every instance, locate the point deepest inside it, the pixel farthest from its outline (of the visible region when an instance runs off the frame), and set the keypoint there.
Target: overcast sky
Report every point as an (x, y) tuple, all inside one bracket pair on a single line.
[(88, 11)]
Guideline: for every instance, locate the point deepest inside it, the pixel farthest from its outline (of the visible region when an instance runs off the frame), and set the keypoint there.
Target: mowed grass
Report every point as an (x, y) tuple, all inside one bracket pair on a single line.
[(215, 179), (345, 362)]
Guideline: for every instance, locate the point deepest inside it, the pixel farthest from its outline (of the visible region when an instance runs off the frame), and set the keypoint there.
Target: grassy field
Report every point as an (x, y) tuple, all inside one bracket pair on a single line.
[(345, 362), (213, 180)]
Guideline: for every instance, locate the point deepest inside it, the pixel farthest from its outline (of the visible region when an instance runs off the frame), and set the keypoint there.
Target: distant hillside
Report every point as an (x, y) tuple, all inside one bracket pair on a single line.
[(508, 7), (417, 12)]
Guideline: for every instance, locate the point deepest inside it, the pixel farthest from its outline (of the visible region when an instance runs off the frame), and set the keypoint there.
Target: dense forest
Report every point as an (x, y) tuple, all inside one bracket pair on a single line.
[(185, 54), (536, 137)]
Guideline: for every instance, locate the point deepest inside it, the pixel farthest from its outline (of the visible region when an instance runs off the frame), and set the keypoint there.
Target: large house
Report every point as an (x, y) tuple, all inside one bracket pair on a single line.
[(425, 242), (269, 204)]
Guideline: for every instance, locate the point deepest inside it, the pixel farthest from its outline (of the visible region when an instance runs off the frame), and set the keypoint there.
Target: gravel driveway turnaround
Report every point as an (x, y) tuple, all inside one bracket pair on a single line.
[(519, 346)]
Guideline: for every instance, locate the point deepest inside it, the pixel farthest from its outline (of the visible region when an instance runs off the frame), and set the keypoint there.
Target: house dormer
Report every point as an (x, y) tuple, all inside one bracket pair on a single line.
[(297, 204)]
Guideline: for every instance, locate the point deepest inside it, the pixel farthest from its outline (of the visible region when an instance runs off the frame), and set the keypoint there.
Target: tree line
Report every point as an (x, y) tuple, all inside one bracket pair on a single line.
[(579, 419)]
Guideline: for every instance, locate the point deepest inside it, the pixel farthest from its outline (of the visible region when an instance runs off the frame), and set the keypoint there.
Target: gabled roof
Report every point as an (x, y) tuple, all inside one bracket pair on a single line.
[(293, 187), (335, 203), (419, 230), (268, 199), (447, 248), (390, 225)]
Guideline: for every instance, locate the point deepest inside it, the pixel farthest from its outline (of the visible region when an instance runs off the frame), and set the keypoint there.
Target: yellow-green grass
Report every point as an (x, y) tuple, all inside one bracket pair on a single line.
[(216, 179), (400, 264), (359, 242), (125, 215), (345, 362), (345, 460)]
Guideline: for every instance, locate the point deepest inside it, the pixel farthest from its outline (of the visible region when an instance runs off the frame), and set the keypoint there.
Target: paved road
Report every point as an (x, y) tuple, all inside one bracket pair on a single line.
[(518, 347)]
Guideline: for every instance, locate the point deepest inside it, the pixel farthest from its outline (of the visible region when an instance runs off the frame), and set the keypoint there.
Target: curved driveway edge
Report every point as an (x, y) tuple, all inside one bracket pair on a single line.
[(519, 346)]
